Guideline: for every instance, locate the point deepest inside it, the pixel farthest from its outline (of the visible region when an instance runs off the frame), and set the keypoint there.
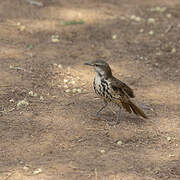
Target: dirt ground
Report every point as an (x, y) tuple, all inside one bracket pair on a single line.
[(48, 128)]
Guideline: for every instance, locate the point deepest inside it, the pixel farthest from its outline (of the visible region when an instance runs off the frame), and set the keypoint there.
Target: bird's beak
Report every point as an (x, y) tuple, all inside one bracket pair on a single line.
[(88, 63)]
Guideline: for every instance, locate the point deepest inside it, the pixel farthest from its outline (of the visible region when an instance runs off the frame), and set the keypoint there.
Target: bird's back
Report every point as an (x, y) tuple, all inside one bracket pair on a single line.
[(105, 87), (118, 85)]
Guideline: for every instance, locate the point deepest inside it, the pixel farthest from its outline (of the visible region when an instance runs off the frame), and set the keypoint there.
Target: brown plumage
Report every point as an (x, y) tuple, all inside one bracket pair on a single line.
[(113, 90)]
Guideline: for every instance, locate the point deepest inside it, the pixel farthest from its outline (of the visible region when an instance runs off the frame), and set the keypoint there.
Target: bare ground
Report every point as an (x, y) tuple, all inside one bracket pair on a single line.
[(53, 133)]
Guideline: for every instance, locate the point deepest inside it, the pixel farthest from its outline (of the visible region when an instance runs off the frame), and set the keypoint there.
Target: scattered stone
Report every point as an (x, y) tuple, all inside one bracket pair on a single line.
[(168, 15), (158, 9), (11, 66), (11, 100), (114, 36), (72, 82), (138, 19), (119, 142), (32, 94), (74, 90), (151, 33), (67, 90), (41, 98), (66, 80), (18, 24), (169, 138), (60, 66), (79, 90), (22, 103), (37, 171), (135, 18), (22, 28), (102, 151), (26, 168), (173, 50), (151, 20), (55, 38)]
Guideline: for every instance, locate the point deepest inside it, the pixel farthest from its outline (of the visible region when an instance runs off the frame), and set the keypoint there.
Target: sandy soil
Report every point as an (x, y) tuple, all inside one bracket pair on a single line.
[(48, 128)]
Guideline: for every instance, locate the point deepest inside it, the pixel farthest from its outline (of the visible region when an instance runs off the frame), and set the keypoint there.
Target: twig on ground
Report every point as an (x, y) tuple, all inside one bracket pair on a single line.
[(169, 28), (8, 176), (19, 68)]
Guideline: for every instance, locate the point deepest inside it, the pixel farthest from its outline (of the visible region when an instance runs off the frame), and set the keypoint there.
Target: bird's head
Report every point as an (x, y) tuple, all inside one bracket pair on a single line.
[(101, 68)]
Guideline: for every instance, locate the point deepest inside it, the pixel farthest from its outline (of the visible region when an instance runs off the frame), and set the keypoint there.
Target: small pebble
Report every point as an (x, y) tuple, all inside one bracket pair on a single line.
[(60, 66), (18, 23), (151, 33), (133, 17), (11, 67), (67, 90), (171, 155), (138, 19), (22, 28), (55, 38), (158, 9), (26, 168), (168, 15), (72, 82), (74, 90), (65, 80), (79, 90), (31, 93), (102, 151), (173, 50), (169, 138), (119, 142), (151, 20), (22, 103), (41, 98), (11, 100), (114, 36), (37, 171)]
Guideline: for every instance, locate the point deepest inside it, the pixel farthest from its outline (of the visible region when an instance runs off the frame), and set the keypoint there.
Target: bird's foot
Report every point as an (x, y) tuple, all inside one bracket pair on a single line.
[(97, 114)]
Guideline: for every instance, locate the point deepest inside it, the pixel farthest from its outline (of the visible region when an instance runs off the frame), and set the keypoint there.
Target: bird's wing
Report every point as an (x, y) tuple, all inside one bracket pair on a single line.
[(122, 88), (121, 93)]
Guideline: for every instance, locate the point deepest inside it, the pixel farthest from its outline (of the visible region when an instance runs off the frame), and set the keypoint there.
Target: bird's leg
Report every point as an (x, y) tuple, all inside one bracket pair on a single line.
[(118, 115), (105, 104)]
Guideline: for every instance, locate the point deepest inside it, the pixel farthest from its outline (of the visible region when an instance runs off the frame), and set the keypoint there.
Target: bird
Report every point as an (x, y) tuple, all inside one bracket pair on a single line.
[(112, 90)]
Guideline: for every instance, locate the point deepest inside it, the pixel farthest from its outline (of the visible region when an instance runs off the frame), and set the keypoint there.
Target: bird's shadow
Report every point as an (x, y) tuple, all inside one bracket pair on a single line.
[(110, 118)]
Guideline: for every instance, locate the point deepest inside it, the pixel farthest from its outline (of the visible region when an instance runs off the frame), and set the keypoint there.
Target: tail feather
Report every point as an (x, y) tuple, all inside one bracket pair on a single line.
[(127, 107), (131, 107), (137, 110)]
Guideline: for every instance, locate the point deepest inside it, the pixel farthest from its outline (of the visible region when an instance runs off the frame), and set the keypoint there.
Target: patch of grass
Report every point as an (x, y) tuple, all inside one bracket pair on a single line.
[(73, 22)]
